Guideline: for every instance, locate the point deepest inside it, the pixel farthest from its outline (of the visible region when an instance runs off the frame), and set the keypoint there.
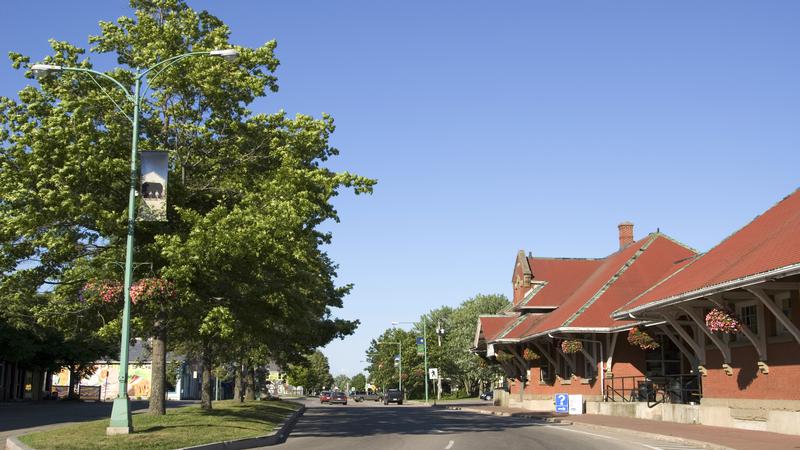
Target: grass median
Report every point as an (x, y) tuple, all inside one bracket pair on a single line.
[(180, 427)]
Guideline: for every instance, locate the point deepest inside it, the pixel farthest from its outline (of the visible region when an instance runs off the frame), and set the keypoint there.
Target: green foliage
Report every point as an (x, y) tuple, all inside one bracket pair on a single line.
[(358, 382), (453, 358), (313, 373), (247, 193), (342, 382)]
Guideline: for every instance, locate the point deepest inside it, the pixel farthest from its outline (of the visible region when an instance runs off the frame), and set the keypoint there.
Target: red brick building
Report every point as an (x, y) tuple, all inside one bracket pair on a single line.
[(568, 328)]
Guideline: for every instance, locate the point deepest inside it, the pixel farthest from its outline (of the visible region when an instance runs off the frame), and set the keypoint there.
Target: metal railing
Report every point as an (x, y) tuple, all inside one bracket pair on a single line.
[(683, 388)]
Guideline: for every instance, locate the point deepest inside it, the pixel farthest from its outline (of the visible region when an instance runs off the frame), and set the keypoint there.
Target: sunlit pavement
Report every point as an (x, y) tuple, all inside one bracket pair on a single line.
[(371, 425)]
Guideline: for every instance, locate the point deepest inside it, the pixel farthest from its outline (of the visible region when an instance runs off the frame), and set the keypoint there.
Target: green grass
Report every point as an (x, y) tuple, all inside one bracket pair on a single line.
[(181, 427)]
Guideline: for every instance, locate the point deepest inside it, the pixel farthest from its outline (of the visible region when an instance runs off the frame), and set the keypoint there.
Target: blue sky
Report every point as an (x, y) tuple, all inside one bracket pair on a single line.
[(499, 126)]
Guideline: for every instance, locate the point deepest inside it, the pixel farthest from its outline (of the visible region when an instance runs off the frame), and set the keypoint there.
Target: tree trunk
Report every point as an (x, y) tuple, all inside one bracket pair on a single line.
[(73, 380), (250, 390), (158, 370), (205, 394), (238, 389)]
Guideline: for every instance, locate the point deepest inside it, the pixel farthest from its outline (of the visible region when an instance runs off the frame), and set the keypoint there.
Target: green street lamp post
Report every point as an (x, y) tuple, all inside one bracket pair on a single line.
[(425, 346), (120, 422)]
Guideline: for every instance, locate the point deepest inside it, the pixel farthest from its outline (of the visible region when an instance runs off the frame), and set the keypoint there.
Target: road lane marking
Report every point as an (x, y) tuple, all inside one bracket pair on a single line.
[(449, 445)]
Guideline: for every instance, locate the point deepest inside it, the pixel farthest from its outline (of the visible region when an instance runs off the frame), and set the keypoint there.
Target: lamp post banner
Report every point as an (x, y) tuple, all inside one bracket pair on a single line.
[(153, 186), (420, 346)]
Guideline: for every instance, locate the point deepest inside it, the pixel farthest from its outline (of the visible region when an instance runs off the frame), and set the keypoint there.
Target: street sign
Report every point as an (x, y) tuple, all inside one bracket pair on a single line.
[(576, 404), (562, 403), (433, 374), (420, 346)]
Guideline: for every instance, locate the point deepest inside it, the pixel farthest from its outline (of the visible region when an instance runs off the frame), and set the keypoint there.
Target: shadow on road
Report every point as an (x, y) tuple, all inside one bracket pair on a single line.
[(369, 421)]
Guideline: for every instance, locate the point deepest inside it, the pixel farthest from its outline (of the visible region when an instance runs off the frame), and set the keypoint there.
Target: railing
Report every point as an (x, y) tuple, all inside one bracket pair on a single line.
[(684, 388)]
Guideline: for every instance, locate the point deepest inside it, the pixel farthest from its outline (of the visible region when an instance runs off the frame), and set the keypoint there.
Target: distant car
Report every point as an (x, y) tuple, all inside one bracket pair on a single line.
[(360, 396), (488, 395), (338, 397), (393, 396), (325, 396)]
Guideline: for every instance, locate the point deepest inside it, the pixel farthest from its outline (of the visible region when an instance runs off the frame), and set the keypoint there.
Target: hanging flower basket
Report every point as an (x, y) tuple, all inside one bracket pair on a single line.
[(529, 355), (723, 321), (571, 346), (503, 356), (101, 291), (642, 339), (152, 290)]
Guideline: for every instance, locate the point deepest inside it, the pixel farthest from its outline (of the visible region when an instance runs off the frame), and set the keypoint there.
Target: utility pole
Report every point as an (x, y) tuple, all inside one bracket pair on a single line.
[(439, 334)]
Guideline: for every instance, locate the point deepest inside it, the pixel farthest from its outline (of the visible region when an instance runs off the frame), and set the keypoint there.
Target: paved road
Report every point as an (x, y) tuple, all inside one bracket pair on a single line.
[(375, 426)]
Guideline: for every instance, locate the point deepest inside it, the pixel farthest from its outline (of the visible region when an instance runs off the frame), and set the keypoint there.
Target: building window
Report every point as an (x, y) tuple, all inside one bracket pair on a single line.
[(546, 371), (748, 315), (564, 370), (588, 367), (784, 303)]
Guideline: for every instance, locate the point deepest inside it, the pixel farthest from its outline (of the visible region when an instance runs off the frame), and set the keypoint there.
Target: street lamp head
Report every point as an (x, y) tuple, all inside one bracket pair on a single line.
[(395, 323), (41, 70), (228, 54)]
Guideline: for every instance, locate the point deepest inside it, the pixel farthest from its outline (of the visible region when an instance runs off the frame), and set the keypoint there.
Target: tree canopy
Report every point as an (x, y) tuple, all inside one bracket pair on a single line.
[(247, 191)]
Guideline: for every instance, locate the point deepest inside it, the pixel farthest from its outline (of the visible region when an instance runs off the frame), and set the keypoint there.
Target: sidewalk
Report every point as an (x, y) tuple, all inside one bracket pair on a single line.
[(719, 437)]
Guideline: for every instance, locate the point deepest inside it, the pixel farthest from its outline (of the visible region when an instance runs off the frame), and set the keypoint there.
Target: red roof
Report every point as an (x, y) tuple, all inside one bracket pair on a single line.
[(596, 293), (562, 275), (771, 241), (491, 326)]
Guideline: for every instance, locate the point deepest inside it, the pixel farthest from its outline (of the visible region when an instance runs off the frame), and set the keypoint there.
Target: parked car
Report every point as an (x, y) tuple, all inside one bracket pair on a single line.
[(325, 396), (488, 395), (393, 396), (360, 396), (338, 397)]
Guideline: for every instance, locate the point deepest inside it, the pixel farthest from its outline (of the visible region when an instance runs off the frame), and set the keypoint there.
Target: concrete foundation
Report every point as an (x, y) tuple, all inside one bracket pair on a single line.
[(761, 415)]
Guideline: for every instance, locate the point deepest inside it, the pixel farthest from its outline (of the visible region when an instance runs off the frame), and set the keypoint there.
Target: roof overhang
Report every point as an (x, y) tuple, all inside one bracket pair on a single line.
[(574, 330), (750, 280)]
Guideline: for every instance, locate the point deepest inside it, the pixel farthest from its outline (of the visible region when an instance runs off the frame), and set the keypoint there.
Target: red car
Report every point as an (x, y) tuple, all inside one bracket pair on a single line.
[(325, 396), (338, 397)]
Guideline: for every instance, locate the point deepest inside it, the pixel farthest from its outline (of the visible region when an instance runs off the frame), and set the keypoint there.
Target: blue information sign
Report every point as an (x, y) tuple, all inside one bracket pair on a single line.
[(562, 403)]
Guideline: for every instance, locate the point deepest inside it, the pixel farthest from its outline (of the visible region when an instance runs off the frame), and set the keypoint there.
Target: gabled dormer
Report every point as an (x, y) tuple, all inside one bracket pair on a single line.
[(521, 279)]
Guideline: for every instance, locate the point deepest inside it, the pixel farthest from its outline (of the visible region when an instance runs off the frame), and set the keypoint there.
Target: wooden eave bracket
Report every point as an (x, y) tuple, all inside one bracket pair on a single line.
[(728, 369), (773, 308)]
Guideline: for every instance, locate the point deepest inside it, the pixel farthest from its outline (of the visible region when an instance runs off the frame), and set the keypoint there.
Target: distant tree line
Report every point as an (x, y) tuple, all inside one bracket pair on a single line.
[(450, 353)]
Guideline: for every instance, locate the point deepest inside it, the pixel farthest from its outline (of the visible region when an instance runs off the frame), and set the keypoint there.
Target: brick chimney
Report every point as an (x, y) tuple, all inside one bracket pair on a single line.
[(625, 234)]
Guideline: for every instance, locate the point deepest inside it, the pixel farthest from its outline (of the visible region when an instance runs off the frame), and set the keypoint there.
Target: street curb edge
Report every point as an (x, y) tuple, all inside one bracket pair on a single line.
[(12, 443)]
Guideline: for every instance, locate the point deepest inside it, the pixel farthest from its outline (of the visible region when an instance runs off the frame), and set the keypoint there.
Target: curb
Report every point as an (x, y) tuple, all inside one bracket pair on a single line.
[(643, 434), (12, 443), (276, 437)]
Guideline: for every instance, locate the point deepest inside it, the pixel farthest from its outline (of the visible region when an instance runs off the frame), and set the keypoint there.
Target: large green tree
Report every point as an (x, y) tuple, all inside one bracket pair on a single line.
[(247, 192)]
